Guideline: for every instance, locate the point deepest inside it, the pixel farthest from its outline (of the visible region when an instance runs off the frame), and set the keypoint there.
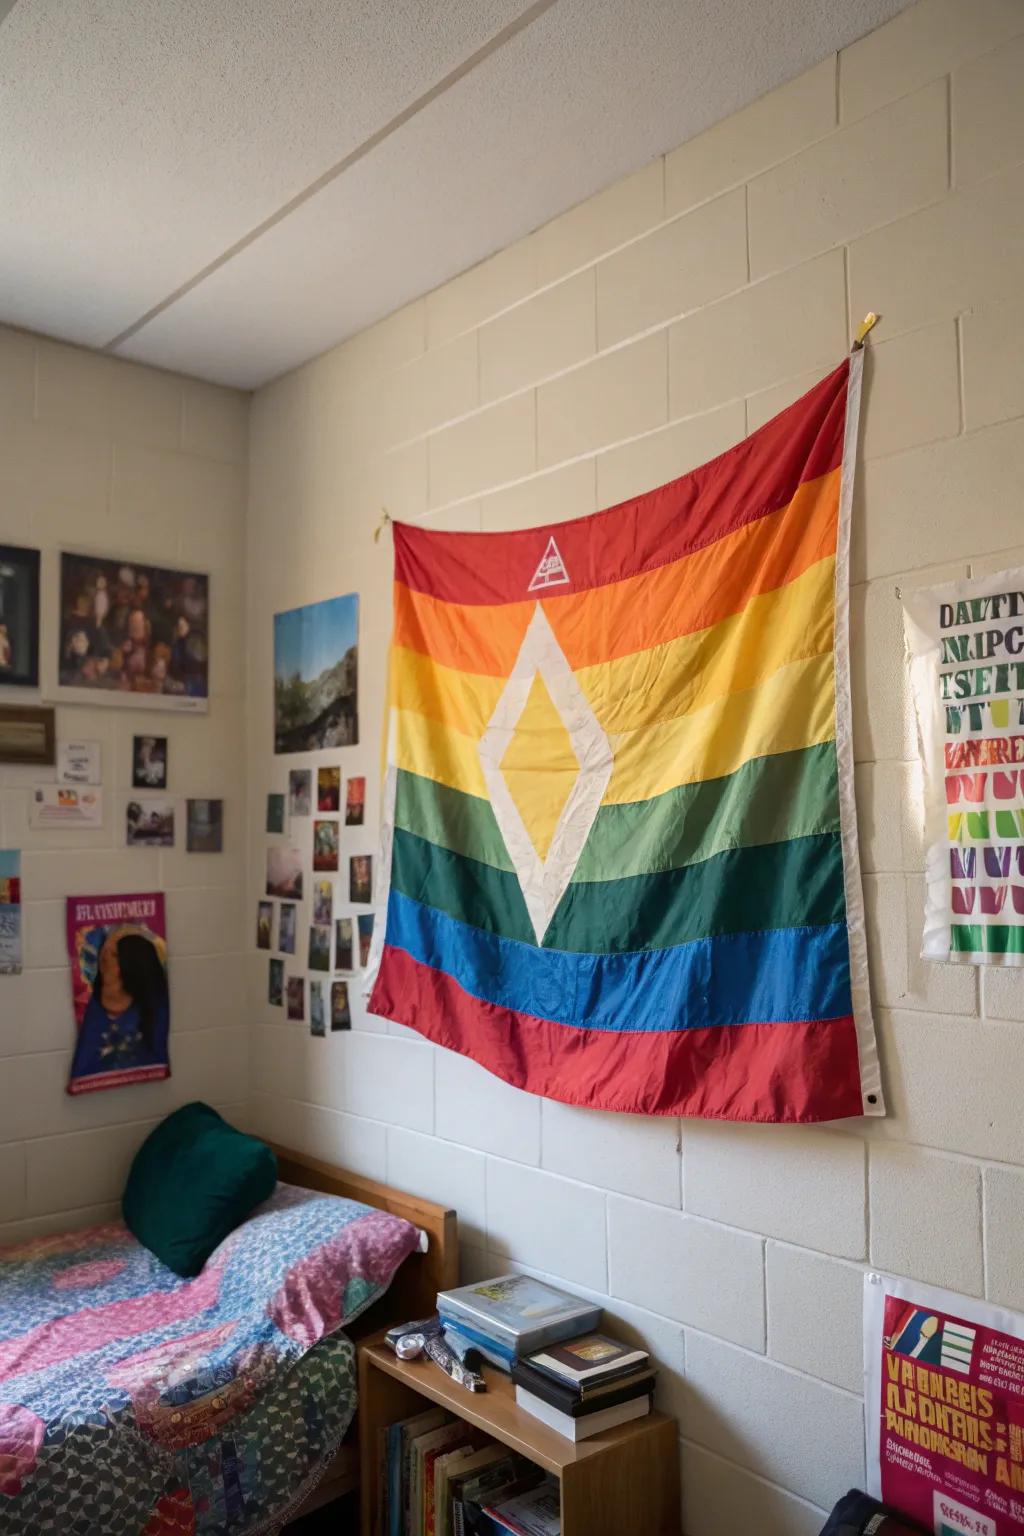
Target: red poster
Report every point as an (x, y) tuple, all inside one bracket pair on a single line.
[(117, 946), (945, 1408)]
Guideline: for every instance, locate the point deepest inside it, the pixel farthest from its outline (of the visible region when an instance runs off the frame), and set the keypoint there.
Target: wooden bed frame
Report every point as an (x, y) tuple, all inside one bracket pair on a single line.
[(412, 1294)]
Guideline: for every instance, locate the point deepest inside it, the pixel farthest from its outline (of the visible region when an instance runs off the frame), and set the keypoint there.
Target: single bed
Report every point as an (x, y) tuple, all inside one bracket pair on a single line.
[(135, 1403)]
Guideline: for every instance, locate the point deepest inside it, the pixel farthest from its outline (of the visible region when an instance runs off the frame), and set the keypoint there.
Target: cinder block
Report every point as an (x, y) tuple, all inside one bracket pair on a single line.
[(923, 1055), (713, 356), (35, 1015), (865, 175), (153, 488), (437, 386), (406, 479), (764, 1416), (495, 445), (146, 405), (988, 116), (634, 1154), (723, 1499), (922, 43), (552, 497), (205, 921), (61, 1221), (677, 268), (65, 872), (215, 422), (73, 388), (43, 937), (1004, 1277), (647, 462), (881, 809), (554, 330), (802, 1185), (441, 1171), (388, 1079), (208, 989), (617, 396), (934, 987), (931, 265), (769, 130), (475, 1264), (477, 1109), (621, 212), (547, 1223), (699, 1273), (912, 391), (926, 1216), (60, 475), (386, 344), (1002, 993), (993, 364), (63, 1172), (485, 290), (814, 1315), (915, 501), (12, 1182), (885, 906)]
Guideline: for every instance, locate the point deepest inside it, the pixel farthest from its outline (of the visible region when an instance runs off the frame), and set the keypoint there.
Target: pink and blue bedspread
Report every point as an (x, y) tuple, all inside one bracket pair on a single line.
[(135, 1403)]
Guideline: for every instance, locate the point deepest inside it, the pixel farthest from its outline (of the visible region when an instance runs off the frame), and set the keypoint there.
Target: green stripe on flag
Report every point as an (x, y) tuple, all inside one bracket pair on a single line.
[(782, 885), (986, 939)]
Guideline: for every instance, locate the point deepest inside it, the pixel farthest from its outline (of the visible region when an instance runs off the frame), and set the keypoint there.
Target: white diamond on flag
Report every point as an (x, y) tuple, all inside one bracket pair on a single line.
[(543, 881)]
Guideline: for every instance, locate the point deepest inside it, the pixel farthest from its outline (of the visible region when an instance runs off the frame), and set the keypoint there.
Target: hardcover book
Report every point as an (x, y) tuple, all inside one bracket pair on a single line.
[(518, 1311), (592, 1358)]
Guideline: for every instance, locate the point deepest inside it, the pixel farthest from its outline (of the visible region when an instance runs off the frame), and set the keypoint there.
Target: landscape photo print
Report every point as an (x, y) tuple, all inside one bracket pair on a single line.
[(316, 655)]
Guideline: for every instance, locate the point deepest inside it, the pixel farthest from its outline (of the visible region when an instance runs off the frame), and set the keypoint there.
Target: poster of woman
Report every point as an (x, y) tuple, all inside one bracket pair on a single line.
[(117, 946)]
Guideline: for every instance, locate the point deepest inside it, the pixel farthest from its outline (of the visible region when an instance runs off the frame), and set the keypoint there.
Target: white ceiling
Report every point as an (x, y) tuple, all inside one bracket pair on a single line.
[(229, 187)]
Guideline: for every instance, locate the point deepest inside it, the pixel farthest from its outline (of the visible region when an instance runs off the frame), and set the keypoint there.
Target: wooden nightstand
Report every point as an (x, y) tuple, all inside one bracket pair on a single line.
[(624, 1481)]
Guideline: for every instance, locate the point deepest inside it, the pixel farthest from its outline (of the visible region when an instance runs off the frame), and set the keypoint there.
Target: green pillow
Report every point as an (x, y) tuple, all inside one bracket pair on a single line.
[(194, 1180)]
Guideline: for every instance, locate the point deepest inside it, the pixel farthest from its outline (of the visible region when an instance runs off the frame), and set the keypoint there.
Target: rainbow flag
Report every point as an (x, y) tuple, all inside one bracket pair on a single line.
[(619, 816)]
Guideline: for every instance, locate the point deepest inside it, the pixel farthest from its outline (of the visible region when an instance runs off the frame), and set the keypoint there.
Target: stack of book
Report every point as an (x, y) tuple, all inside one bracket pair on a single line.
[(510, 1317), (439, 1478), (585, 1385)]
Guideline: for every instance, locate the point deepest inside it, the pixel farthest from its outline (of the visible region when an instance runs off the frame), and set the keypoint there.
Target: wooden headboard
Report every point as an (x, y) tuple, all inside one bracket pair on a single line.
[(413, 1292)]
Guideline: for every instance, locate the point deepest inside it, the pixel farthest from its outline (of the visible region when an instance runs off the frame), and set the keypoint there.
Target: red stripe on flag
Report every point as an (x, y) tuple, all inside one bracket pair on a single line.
[(796, 1072), (756, 477)]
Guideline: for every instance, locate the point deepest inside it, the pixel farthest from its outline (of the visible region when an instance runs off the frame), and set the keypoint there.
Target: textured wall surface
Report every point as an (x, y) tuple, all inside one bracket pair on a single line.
[(111, 458), (622, 344)]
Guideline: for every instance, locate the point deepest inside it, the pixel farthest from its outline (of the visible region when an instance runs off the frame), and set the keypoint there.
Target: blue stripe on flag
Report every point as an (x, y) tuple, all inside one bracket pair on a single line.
[(739, 978)]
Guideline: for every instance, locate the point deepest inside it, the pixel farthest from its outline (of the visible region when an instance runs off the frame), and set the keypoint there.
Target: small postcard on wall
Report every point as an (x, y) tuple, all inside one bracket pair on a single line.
[(65, 805), (10, 912), (78, 762)]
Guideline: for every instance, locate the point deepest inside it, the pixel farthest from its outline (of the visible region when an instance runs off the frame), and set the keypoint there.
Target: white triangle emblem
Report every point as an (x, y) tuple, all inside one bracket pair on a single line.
[(551, 572)]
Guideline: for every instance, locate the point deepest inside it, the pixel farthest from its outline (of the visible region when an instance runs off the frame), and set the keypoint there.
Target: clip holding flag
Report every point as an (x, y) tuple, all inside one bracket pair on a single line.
[(385, 519), (867, 324)]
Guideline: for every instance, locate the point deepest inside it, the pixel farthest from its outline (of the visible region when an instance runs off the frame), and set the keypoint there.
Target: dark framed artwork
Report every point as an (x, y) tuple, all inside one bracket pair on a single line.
[(28, 734), (19, 617), (133, 633)]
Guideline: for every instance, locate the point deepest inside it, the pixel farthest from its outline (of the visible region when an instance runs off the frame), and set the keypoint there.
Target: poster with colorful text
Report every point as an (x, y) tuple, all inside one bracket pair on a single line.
[(965, 648), (945, 1408), (117, 946)]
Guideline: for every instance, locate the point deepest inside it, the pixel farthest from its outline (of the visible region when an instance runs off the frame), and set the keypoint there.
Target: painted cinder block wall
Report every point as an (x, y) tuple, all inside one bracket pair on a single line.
[(622, 344), (109, 457)]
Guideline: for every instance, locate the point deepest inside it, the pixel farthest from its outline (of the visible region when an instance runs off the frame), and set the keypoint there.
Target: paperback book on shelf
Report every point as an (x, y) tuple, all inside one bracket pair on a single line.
[(517, 1312), (534, 1513), (580, 1362), (585, 1425)]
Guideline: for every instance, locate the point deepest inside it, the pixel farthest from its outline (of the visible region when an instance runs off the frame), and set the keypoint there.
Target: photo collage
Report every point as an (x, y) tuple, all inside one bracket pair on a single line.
[(310, 873)]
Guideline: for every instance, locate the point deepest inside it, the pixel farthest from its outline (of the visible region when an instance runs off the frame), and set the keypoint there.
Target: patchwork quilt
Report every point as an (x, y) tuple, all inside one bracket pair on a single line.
[(132, 1401)]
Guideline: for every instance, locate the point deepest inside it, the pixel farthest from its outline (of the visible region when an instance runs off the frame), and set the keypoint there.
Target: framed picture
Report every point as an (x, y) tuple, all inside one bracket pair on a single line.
[(133, 633), (28, 734), (19, 617), (316, 673)]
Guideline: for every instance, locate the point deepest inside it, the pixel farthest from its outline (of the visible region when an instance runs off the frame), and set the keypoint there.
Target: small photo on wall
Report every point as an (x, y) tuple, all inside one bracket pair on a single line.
[(275, 983), (264, 924), (355, 802), (341, 1014), (286, 929), (365, 921), (323, 902), (300, 792), (319, 948), (275, 813), (325, 846), (205, 826), (360, 877), (297, 997), (317, 1018), (284, 873), (328, 789), (149, 762), (19, 617), (343, 945), (149, 823)]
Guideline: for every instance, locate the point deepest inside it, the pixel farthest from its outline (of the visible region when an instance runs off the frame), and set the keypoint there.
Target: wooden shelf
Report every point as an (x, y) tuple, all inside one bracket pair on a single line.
[(626, 1479)]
